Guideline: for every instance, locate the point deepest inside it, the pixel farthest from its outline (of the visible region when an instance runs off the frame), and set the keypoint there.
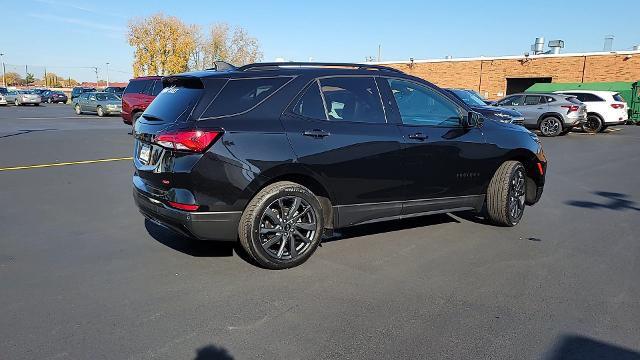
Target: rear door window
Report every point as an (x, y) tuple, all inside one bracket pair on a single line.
[(532, 100), (352, 99), (310, 104), (241, 95)]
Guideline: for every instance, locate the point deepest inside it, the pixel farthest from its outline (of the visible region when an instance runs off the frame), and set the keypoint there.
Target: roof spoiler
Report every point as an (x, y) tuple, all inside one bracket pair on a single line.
[(222, 66)]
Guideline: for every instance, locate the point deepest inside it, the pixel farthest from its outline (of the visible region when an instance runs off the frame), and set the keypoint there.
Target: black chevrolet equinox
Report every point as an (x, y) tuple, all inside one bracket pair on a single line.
[(276, 155)]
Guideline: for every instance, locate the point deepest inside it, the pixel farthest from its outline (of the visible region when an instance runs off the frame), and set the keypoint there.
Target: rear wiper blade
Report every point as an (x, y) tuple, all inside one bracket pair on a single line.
[(151, 117)]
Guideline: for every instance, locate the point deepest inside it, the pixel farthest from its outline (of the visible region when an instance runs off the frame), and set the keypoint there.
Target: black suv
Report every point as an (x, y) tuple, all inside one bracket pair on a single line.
[(279, 154)]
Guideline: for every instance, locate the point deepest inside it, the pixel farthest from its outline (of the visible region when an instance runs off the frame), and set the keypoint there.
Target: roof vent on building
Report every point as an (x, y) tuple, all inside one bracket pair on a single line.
[(608, 43), (555, 46), (538, 46)]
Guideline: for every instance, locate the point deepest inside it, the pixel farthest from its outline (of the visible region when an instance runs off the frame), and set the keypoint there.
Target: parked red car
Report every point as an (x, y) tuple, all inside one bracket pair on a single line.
[(138, 95)]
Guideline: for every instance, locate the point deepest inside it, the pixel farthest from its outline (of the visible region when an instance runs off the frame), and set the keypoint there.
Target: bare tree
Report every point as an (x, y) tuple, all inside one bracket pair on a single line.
[(234, 46)]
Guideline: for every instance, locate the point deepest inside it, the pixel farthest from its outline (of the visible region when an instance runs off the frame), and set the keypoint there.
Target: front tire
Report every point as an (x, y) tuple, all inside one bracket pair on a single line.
[(550, 126), (506, 194), (16, 103), (281, 226), (100, 111), (604, 128), (78, 111)]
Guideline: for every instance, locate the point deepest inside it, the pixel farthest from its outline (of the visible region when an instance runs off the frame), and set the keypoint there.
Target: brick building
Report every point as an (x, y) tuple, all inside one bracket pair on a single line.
[(494, 77)]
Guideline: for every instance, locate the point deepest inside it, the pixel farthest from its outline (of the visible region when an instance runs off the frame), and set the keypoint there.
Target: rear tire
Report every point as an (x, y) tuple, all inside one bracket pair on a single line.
[(78, 111), (550, 126), (282, 225), (604, 128), (506, 194), (100, 111), (593, 124)]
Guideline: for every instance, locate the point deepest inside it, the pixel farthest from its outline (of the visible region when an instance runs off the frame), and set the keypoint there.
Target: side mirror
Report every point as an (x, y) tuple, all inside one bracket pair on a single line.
[(473, 119)]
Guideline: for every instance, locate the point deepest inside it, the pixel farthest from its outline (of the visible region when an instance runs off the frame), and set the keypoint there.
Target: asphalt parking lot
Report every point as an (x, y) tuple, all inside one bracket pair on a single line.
[(84, 277)]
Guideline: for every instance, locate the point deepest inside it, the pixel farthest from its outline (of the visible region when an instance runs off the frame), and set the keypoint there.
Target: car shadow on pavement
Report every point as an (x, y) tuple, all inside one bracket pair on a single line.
[(576, 347), (187, 245), (614, 201), (389, 226), (212, 352)]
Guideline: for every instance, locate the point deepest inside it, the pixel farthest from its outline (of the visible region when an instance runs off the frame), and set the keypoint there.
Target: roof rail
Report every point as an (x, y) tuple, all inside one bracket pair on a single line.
[(278, 65)]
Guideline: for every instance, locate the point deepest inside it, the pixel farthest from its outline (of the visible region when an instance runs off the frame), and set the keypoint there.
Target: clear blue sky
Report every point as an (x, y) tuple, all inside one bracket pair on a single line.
[(68, 35)]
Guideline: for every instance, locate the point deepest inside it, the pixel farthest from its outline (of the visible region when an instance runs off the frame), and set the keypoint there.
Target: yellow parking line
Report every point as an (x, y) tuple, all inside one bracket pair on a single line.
[(64, 164)]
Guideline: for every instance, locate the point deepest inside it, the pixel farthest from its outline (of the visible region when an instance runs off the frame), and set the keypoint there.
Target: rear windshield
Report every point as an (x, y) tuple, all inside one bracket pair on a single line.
[(241, 95), (574, 100), (618, 97), (173, 103), (136, 86)]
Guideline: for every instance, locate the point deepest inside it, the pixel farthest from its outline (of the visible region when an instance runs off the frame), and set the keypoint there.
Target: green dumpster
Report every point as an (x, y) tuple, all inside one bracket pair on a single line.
[(630, 91)]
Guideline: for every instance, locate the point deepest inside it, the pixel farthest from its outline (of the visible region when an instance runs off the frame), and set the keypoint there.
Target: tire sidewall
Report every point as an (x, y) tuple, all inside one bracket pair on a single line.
[(513, 173), (554, 119), (593, 131), (256, 248)]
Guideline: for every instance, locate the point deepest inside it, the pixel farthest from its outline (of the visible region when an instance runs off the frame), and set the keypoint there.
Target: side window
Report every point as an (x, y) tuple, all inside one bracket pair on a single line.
[(420, 105), (241, 95), (92, 98), (352, 99), (136, 87), (310, 104), (532, 100), (510, 101)]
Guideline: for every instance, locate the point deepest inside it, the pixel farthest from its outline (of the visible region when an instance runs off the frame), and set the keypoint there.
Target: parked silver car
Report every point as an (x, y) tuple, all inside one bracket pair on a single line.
[(101, 103), (22, 97), (552, 114)]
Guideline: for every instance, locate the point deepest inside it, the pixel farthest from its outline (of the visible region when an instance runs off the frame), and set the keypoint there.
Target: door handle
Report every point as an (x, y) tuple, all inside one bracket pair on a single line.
[(316, 133), (418, 136)]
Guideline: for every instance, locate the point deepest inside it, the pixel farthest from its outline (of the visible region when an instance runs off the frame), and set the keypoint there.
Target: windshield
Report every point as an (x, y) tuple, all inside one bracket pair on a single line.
[(107, 96), (469, 97)]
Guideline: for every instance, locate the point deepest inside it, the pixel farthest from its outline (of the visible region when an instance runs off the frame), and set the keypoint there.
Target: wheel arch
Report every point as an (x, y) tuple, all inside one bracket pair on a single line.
[(305, 178), (530, 162), (550, 114)]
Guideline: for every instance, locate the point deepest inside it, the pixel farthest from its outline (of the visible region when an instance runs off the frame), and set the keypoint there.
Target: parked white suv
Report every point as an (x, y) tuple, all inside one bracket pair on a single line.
[(604, 108)]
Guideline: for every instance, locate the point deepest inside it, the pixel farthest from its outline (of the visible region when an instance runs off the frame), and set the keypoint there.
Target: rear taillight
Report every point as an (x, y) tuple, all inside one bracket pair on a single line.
[(191, 140), (185, 207), (571, 108), (617, 106)]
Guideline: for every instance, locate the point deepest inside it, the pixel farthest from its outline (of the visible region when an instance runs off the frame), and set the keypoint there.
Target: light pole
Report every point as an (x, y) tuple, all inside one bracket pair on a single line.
[(107, 74), (4, 80)]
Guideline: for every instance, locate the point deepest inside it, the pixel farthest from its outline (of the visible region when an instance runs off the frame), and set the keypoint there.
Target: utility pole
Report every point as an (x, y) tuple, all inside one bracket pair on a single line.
[(379, 50), (26, 74), (107, 74), (46, 84), (95, 68), (4, 80)]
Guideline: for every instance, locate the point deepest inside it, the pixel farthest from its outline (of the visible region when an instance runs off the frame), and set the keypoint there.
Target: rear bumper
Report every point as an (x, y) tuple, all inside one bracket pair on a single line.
[(221, 226)]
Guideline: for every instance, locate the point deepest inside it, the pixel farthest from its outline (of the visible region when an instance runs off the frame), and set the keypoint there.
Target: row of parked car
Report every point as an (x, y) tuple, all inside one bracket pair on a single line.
[(553, 113), (38, 96)]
